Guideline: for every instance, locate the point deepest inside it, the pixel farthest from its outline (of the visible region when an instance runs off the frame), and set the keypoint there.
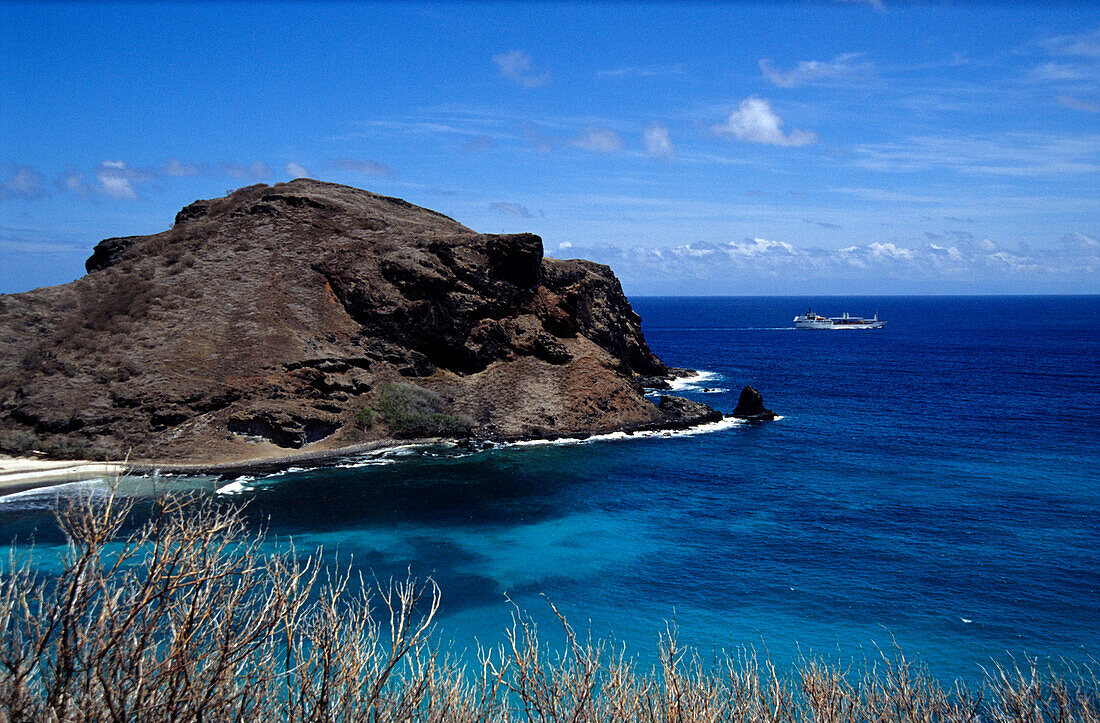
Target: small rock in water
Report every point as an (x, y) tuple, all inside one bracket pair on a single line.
[(750, 406)]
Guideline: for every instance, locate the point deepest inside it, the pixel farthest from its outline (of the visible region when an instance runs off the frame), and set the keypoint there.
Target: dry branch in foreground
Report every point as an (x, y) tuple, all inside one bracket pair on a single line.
[(186, 618)]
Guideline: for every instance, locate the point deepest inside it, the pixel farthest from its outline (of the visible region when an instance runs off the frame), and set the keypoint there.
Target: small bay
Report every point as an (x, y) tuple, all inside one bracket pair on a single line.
[(932, 485)]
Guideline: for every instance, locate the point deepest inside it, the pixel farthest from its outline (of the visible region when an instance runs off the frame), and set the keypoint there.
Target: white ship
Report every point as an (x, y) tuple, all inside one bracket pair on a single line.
[(810, 320)]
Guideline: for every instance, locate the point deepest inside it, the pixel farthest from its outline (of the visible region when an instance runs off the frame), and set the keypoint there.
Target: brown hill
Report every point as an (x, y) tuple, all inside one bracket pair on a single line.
[(313, 316)]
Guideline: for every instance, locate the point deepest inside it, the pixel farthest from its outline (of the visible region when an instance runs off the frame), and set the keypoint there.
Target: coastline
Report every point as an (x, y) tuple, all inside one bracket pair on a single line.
[(18, 474)]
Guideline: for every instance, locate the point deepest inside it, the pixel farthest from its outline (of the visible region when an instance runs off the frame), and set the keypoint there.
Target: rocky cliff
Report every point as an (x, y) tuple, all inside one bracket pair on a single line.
[(309, 315)]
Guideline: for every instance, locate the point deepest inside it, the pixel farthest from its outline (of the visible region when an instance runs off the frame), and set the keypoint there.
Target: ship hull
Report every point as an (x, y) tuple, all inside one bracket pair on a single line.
[(830, 325)]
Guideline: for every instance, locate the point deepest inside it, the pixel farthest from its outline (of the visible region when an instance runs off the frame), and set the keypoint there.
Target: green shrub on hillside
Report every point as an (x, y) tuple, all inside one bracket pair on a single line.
[(414, 411), (364, 418), (21, 443)]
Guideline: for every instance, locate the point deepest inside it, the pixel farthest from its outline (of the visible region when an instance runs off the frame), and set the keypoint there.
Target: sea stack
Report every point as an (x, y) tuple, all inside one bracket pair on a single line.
[(314, 316), (750, 406)]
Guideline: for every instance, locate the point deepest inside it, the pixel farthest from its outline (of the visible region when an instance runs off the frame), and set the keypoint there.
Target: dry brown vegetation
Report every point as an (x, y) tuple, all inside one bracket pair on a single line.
[(186, 618)]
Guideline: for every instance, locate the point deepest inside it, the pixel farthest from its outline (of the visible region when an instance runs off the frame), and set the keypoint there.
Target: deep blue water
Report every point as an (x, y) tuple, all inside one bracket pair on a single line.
[(932, 485)]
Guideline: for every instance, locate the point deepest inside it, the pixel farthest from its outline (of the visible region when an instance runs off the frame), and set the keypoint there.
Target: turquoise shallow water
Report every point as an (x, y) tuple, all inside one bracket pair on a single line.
[(932, 485)]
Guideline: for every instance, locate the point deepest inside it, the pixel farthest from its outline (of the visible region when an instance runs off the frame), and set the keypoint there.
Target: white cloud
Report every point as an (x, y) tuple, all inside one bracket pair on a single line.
[(23, 182), (755, 122), (760, 247), (516, 65), (889, 251), (767, 266), (511, 209), (295, 170), (950, 252), (810, 71), (116, 179), (116, 187), (658, 143), (600, 140)]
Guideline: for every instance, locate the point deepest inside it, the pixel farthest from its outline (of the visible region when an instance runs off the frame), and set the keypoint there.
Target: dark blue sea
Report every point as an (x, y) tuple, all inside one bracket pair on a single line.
[(931, 487)]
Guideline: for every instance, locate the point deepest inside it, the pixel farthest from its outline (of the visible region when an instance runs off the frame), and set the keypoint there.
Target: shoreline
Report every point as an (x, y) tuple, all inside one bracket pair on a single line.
[(19, 474)]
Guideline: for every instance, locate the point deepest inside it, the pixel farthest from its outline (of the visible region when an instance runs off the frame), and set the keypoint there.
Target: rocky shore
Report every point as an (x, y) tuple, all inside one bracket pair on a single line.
[(308, 320)]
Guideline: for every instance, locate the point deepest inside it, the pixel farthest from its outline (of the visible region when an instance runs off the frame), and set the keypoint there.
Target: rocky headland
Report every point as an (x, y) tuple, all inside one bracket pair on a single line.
[(308, 317)]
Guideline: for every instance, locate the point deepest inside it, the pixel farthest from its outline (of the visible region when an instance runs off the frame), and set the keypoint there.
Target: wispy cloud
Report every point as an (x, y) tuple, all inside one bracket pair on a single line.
[(876, 4), (755, 122), (537, 139), (516, 66), (511, 209), (1085, 44), (1010, 154), (823, 224), (1077, 104), (426, 127), (296, 170), (658, 142), (72, 181), (600, 140), (1061, 72), (176, 168), (886, 196), (651, 71), (22, 181), (812, 71), (35, 243), (255, 171), (363, 166), (478, 143)]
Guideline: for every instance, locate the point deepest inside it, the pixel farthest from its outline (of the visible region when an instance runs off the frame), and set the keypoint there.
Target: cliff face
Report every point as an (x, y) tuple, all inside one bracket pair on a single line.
[(313, 315)]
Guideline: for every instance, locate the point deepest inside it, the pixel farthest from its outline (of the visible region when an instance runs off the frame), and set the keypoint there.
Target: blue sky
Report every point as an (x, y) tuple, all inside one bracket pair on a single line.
[(698, 148)]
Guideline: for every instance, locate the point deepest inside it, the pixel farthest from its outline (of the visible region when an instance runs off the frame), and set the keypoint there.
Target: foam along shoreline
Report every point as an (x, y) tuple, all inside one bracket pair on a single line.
[(18, 474), (389, 455), (699, 381)]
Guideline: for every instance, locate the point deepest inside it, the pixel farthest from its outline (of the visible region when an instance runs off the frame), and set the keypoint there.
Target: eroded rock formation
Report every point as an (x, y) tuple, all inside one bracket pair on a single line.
[(280, 317), (750, 406)]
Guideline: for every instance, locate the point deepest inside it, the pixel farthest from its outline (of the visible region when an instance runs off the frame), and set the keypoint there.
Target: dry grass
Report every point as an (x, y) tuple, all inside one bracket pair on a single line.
[(186, 619)]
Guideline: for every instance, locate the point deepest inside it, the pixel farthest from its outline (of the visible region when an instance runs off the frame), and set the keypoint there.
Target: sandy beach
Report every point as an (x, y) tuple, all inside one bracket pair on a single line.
[(23, 473)]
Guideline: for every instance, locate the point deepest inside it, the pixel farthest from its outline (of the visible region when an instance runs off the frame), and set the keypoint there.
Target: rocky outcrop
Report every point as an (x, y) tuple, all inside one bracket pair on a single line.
[(290, 316), (687, 413), (750, 406)]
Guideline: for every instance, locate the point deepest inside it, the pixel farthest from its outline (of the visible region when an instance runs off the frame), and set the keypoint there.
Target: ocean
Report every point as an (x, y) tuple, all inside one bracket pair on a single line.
[(929, 488)]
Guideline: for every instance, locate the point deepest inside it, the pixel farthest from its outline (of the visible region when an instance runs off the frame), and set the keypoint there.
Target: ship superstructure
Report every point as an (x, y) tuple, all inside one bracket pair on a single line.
[(810, 320)]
